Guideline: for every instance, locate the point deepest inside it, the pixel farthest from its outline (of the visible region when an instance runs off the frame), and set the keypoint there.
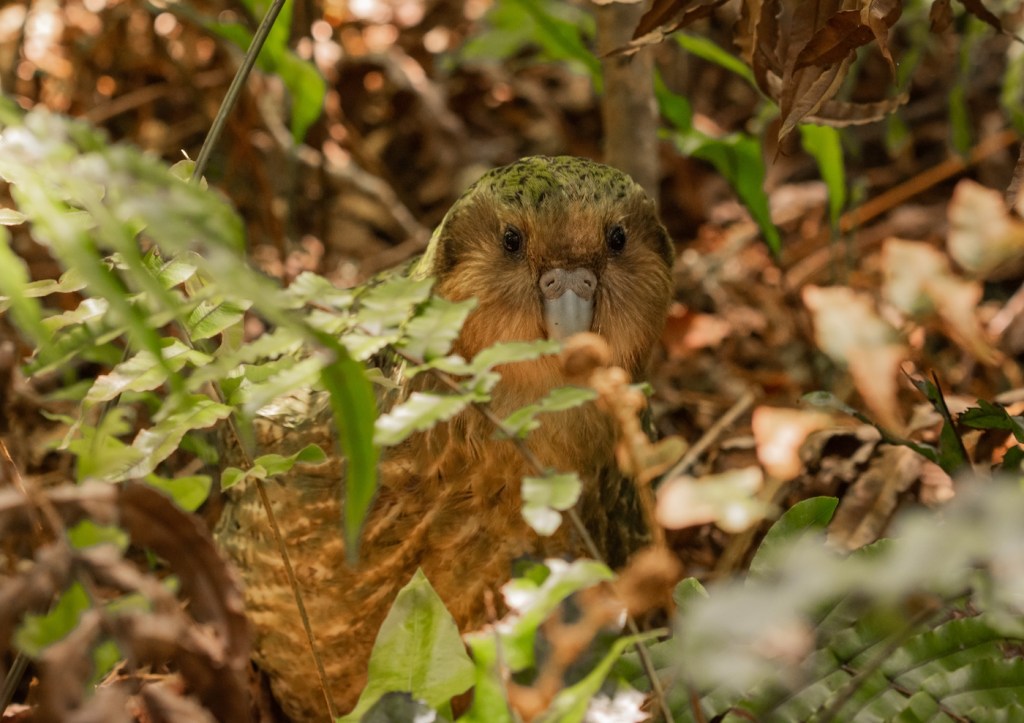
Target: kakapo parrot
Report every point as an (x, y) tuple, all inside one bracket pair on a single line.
[(548, 246)]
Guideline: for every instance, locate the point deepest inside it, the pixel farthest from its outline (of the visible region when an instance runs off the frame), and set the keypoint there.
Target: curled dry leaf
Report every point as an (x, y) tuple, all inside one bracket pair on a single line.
[(801, 52), (664, 18), (779, 434), (983, 237), (849, 330), (920, 283), (646, 583), (867, 507), (686, 331), (727, 499)]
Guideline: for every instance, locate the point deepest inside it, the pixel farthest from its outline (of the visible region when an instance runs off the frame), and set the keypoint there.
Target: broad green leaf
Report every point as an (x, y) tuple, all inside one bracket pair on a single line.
[(87, 533), (355, 412), (512, 351), (992, 416), (738, 157), (14, 277), (70, 281), (363, 346), (276, 464), (524, 420), (389, 304), (687, 591), (100, 454), (37, 632), (544, 497), (87, 310), (188, 491), (307, 287), (230, 477), (707, 49), (269, 465), (161, 440), (142, 372), (418, 650), (489, 702), (554, 31), (432, 331), (531, 604), (807, 516), (825, 145), (420, 412), (292, 375), (171, 272), (211, 318), (571, 703)]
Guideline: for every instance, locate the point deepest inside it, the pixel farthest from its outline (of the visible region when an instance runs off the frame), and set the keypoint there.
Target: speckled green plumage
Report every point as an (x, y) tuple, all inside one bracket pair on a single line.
[(536, 182)]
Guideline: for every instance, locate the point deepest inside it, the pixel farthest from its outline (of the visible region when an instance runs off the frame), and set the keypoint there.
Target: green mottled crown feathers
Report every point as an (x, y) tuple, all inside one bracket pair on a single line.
[(537, 181)]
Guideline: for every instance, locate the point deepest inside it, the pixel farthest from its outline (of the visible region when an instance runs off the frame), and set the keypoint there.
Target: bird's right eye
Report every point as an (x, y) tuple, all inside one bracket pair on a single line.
[(512, 240)]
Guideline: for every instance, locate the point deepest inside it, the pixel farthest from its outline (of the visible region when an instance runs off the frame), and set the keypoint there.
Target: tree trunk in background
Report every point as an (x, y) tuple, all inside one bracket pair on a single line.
[(628, 108)]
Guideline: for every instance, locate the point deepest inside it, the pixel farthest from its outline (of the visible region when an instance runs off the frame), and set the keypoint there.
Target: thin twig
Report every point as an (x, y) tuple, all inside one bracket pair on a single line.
[(938, 173), (235, 89), (739, 408), (230, 99)]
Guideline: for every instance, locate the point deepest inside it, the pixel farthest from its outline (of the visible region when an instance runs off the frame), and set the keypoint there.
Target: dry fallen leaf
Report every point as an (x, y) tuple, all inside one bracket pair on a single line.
[(849, 330), (983, 237), (727, 499), (867, 507), (686, 331), (779, 434), (919, 282)]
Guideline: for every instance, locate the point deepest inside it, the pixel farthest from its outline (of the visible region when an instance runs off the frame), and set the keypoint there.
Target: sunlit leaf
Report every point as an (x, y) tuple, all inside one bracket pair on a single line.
[(418, 650), (524, 420), (421, 411), (544, 497), (187, 491), (805, 517), (531, 603)]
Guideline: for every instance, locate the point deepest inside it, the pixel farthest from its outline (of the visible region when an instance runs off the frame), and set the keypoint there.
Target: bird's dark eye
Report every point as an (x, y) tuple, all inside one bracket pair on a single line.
[(512, 240), (616, 237)]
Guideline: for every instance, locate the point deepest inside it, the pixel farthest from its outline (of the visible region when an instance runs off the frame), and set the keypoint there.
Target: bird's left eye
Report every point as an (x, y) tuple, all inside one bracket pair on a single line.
[(616, 238), (512, 240)]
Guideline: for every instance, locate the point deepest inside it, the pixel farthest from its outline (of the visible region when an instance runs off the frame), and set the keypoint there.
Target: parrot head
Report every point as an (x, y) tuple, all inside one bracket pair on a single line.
[(553, 246)]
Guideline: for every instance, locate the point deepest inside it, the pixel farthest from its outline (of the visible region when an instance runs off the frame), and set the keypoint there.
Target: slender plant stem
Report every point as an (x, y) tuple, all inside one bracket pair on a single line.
[(216, 129), (235, 89)]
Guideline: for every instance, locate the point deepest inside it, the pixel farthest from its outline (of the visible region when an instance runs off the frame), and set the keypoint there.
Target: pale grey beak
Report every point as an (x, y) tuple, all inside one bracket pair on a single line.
[(568, 301)]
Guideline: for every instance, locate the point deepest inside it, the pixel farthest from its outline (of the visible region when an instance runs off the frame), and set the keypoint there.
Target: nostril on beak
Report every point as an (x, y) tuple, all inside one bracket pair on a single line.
[(556, 282), (552, 283)]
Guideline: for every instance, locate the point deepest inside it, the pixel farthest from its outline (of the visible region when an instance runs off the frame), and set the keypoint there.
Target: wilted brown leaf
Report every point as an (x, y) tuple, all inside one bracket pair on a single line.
[(983, 237), (687, 331), (801, 52), (667, 16), (726, 499), (867, 507), (978, 10), (920, 282), (940, 15), (842, 35), (779, 434), (849, 330)]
